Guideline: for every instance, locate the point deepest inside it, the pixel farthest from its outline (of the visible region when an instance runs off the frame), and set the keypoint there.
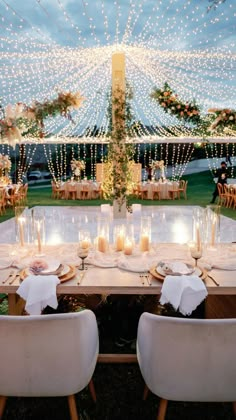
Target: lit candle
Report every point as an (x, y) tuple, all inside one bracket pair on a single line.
[(120, 238), (144, 243), (21, 221), (198, 237), (128, 247), (102, 244), (39, 238), (85, 243), (213, 231)]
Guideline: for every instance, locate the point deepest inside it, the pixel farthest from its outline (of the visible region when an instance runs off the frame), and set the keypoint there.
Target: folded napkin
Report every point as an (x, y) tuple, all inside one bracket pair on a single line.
[(183, 292), (227, 263), (39, 292), (177, 267), (136, 264), (99, 259)]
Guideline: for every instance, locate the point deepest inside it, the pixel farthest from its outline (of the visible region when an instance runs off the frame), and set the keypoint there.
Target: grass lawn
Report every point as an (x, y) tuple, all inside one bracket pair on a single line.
[(199, 192)]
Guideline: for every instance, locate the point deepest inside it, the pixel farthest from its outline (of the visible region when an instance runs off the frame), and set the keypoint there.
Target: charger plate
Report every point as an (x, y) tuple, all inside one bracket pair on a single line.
[(201, 272), (67, 273)]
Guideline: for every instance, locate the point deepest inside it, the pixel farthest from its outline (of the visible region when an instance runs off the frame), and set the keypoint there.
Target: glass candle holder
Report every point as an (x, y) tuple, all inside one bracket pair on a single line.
[(128, 245), (213, 224), (39, 233), (145, 236), (103, 235), (119, 237), (198, 226)]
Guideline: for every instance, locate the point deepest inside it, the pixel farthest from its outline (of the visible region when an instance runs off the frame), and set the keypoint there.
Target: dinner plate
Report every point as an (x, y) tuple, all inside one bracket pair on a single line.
[(68, 272), (197, 272), (189, 268)]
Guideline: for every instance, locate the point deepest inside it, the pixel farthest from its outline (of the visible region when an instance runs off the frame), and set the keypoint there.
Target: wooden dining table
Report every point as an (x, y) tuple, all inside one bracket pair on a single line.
[(220, 284)]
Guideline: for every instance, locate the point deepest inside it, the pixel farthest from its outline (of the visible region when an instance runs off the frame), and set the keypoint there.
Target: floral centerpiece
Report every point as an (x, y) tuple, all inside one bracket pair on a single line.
[(158, 164), (224, 119), (172, 104), (77, 166)]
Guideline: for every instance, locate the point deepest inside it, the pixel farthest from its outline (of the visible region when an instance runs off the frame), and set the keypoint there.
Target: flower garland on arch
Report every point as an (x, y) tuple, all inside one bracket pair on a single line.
[(20, 119), (171, 104), (224, 120)]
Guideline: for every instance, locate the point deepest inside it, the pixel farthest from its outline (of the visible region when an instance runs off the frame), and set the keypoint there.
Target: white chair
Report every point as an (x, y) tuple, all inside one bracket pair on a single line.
[(49, 355), (187, 359)]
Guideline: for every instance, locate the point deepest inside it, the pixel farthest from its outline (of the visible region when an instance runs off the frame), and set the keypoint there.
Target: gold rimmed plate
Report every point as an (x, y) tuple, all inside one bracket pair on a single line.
[(68, 272), (200, 272)]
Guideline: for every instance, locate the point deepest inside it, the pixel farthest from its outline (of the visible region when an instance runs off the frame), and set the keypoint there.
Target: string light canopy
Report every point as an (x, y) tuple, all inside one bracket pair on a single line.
[(48, 46)]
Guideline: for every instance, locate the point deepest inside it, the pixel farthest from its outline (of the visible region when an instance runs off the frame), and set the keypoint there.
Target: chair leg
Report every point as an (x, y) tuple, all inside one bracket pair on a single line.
[(92, 391), (3, 401), (72, 408), (234, 408), (145, 392), (162, 409)]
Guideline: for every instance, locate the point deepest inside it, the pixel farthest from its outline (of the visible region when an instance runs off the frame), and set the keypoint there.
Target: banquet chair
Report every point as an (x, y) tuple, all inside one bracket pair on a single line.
[(85, 192), (48, 356), (72, 191), (187, 359), (182, 189), (173, 192), (156, 192), (2, 200), (222, 194)]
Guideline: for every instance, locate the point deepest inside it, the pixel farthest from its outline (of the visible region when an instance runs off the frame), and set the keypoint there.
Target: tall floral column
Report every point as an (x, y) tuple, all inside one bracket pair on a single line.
[(117, 148)]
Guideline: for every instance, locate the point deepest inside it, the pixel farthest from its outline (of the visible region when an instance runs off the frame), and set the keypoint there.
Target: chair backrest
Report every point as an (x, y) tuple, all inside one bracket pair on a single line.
[(220, 188), (188, 359), (47, 355), (182, 184)]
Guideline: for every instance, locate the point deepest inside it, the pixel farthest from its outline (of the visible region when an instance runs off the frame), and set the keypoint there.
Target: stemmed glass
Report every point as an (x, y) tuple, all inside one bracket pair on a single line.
[(196, 251), (83, 248)]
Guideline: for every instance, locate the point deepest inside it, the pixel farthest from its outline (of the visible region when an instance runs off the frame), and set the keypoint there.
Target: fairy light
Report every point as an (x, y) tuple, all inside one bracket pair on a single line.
[(172, 40)]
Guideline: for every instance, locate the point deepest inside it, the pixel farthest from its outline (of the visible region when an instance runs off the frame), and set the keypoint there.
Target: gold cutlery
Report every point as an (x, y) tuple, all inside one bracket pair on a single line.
[(9, 276), (81, 275), (148, 279), (141, 276), (214, 281), (16, 277)]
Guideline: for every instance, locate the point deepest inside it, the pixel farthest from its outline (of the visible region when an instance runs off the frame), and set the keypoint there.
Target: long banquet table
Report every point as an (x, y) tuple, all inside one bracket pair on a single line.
[(116, 281)]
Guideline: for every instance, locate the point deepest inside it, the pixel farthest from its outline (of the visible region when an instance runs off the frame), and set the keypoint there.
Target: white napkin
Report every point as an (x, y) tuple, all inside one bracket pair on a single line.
[(224, 263), (136, 264), (183, 292), (99, 259), (38, 292)]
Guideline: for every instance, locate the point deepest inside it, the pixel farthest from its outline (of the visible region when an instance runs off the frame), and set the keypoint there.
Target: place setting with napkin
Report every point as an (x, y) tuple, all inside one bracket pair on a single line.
[(182, 286), (38, 288)]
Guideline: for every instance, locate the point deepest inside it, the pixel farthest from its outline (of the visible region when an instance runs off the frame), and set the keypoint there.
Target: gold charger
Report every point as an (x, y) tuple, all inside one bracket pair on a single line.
[(159, 277), (62, 277)]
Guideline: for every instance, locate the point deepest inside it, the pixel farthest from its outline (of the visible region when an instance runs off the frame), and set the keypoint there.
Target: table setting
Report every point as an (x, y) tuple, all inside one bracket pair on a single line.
[(122, 261)]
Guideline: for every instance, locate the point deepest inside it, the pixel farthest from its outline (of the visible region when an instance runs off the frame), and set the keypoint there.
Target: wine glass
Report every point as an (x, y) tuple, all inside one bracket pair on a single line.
[(82, 253), (196, 252), (83, 248)]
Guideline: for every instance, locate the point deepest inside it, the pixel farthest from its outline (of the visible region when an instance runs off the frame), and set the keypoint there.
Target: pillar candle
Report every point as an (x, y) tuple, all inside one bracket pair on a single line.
[(128, 247), (39, 238), (102, 244), (198, 237), (213, 231), (120, 241), (144, 243), (21, 230)]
